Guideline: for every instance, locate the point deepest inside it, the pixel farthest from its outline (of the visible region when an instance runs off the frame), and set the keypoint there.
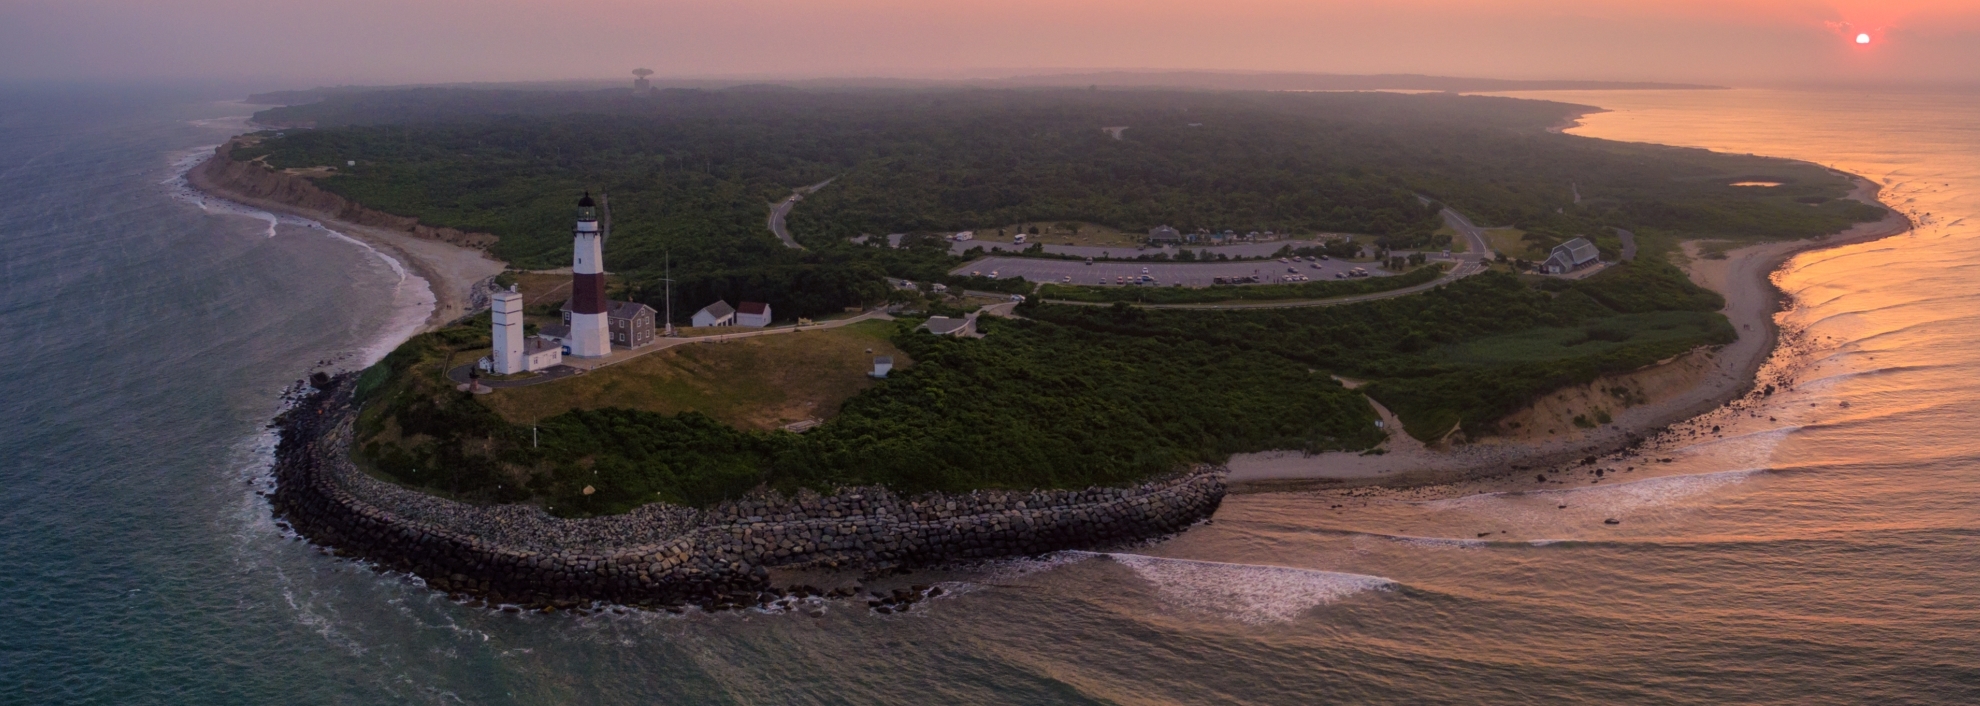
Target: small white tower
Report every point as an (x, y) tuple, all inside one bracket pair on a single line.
[(589, 335), (507, 309)]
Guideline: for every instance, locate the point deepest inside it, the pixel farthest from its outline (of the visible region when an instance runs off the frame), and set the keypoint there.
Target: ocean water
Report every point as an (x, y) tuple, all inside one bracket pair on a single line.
[(1822, 549)]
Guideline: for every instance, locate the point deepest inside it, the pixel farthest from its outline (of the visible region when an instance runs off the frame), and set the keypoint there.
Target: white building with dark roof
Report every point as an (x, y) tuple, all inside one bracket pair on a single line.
[(1570, 256), (627, 324), (753, 314), (716, 314), (539, 353)]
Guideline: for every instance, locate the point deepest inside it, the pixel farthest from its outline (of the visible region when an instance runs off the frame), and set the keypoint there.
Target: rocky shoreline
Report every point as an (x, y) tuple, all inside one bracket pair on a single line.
[(667, 557)]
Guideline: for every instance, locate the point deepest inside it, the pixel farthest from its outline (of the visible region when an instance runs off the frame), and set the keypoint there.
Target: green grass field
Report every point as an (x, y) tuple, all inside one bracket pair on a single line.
[(752, 383), (1507, 241), (1593, 339)]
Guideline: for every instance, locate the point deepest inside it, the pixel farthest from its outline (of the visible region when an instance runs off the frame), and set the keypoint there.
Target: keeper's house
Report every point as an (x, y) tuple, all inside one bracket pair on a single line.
[(753, 314), (1570, 256), (627, 324), (716, 314)]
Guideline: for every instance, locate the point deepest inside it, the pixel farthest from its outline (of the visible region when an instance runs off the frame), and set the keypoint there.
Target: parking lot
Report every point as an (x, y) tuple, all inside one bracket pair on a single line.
[(1188, 274)]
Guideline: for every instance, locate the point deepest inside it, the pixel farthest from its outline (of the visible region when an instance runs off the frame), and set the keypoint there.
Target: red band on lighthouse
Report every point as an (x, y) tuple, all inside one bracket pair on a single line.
[(587, 293)]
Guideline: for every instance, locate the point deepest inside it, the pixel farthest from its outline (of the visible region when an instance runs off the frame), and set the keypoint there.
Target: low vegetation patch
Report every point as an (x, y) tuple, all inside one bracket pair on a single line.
[(1466, 353)]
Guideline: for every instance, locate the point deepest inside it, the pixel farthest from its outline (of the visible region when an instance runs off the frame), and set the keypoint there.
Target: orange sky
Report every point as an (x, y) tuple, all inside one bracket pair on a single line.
[(298, 42)]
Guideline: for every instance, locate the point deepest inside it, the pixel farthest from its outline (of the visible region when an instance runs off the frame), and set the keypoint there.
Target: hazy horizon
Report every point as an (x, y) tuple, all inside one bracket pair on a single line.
[(292, 45)]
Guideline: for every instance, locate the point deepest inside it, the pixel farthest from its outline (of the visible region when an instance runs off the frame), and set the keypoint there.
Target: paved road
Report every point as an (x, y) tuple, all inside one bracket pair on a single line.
[(1628, 243), (1188, 274), (1476, 244), (1127, 251), (1465, 268), (783, 208), (1473, 261)]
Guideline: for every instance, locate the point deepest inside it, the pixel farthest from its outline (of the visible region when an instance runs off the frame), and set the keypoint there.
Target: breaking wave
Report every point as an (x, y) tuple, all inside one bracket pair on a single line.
[(1254, 594), (413, 300)]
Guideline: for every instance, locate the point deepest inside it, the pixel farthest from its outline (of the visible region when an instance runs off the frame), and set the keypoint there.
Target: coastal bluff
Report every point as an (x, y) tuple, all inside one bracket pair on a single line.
[(665, 555), (253, 180)]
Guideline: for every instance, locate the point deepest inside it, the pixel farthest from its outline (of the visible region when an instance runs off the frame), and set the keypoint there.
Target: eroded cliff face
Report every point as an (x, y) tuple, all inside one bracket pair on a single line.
[(260, 182)]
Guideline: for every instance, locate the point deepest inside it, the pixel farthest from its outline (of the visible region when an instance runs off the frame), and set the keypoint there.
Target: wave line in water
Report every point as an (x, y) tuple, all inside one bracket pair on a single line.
[(1645, 491), (1254, 594), (413, 300)]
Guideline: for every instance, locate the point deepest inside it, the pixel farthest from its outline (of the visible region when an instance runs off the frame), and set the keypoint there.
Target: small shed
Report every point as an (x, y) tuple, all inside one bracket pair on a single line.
[(881, 366), (753, 314), (716, 314), (540, 353)]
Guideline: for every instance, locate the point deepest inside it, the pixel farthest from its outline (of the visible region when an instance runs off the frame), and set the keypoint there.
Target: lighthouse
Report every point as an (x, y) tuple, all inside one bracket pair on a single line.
[(588, 337), (506, 311)]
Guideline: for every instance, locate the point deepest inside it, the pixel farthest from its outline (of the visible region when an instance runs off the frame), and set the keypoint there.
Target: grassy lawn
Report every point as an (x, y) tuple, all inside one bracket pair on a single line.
[(1507, 240), (1594, 338), (754, 383)]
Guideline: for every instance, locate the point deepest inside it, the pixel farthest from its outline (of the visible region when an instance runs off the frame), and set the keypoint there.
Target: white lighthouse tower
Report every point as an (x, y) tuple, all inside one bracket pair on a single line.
[(589, 337), (509, 355)]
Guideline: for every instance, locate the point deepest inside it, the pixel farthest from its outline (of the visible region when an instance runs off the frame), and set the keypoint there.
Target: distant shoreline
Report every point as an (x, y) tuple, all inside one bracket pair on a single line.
[(452, 271), (1744, 278)]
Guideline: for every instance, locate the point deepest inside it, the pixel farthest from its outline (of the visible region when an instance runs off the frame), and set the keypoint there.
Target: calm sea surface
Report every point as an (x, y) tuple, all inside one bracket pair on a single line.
[(1822, 551)]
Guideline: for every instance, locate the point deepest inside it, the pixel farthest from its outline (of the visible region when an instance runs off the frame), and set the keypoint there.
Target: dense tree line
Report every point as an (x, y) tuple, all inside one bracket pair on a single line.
[(691, 173)]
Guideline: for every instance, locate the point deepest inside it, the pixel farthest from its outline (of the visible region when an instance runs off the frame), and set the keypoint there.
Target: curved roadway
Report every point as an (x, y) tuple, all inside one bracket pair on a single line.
[(783, 208), (1473, 261)]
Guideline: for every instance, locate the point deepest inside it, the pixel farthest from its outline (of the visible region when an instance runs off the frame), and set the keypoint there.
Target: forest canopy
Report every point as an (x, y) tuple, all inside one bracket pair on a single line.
[(692, 173)]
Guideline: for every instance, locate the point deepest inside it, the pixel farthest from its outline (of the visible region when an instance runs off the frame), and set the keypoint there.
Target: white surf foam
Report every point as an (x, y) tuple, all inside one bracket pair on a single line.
[(1248, 593), (1539, 511), (412, 296)]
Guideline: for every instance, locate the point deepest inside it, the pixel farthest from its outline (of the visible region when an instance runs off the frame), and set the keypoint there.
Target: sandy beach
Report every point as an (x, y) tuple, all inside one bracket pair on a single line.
[(1677, 390), (452, 271)]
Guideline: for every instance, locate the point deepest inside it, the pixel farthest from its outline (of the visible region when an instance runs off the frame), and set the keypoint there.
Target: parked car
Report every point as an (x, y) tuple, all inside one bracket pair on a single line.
[(1089, 261)]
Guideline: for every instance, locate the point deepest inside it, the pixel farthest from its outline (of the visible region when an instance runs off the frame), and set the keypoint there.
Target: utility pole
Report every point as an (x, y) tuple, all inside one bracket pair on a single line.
[(667, 276)]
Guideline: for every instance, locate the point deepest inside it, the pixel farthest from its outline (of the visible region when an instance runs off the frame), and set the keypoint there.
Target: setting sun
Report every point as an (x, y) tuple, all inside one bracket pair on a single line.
[(1863, 39)]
